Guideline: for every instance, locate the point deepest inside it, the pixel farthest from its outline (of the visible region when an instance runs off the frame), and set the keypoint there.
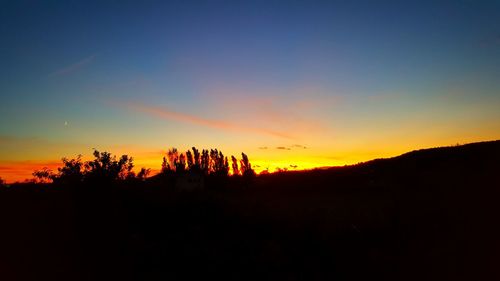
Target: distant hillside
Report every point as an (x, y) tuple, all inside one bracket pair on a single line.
[(443, 163), (430, 214), (474, 155)]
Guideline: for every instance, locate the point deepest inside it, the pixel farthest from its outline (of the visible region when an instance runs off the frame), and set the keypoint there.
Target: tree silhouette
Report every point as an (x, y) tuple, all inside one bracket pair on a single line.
[(218, 164), (45, 175), (189, 159), (234, 165), (197, 159), (226, 166), (71, 171), (106, 167), (205, 162), (172, 157), (208, 162), (180, 164), (165, 167), (245, 166)]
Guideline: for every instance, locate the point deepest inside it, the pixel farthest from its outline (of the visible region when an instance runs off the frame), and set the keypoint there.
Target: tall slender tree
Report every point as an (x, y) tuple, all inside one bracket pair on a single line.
[(234, 165)]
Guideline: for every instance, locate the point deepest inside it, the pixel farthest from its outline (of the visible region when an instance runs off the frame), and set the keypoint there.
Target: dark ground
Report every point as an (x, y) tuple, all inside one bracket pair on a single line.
[(426, 215)]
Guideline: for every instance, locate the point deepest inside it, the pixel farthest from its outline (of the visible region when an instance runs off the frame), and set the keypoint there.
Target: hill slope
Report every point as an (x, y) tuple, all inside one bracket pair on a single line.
[(429, 214)]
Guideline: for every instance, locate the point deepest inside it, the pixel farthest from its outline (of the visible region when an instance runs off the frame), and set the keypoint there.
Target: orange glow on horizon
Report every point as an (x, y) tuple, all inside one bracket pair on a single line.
[(272, 159), (19, 171)]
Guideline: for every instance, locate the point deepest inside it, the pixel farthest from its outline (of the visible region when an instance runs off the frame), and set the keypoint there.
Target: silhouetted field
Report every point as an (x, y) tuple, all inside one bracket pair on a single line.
[(425, 215)]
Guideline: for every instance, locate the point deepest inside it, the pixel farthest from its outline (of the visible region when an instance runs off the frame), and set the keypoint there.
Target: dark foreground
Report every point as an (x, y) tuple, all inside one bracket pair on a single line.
[(426, 215)]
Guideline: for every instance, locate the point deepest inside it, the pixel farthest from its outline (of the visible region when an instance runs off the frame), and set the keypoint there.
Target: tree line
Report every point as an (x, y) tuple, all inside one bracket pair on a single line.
[(106, 167), (207, 162)]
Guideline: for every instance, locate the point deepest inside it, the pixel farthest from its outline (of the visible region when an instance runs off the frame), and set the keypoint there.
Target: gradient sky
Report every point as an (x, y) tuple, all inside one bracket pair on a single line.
[(301, 83)]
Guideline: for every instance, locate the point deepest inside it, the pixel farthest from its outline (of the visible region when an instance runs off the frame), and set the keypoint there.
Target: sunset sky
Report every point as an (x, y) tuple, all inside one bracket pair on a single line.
[(290, 83)]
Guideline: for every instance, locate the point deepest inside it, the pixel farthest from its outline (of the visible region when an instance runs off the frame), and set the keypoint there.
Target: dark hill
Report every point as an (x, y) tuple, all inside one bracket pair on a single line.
[(425, 215)]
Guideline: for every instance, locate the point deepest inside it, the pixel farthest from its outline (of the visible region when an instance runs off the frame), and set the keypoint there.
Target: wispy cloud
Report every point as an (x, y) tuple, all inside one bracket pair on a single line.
[(295, 146), (282, 148), (73, 67), (298, 108), (197, 120)]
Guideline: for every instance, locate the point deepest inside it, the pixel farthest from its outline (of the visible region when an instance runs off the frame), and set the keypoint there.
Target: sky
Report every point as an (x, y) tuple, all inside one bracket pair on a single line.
[(293, 84)]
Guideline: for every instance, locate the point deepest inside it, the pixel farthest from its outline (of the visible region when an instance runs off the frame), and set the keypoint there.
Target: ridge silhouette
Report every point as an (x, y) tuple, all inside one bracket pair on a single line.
[(426, 215)]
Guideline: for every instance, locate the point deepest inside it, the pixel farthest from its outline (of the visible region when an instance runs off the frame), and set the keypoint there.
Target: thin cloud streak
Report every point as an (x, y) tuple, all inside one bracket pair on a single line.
[(192, 119), (73, 67), (282, 148)]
